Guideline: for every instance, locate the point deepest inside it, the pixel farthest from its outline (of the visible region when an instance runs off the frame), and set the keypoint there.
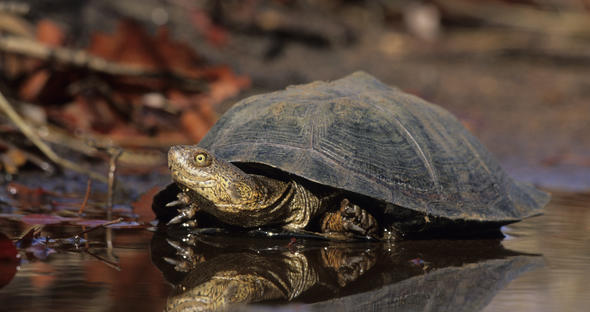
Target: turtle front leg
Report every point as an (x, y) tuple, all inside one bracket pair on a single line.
[(186, 213), (350, 218)]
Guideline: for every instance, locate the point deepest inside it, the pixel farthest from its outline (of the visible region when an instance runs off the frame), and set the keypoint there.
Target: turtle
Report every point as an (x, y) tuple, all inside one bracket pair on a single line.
[(347, 158)]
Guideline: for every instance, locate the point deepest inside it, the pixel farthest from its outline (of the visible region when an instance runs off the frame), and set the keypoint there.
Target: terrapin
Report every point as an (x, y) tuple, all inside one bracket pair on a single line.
[(348, 157)]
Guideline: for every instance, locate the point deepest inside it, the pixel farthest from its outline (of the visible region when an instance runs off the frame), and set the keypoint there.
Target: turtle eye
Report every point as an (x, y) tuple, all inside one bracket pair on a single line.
[(201, 159)]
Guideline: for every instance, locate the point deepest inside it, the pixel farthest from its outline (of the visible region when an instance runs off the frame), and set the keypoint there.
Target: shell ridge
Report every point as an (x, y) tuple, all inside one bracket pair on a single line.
[(417, 147)]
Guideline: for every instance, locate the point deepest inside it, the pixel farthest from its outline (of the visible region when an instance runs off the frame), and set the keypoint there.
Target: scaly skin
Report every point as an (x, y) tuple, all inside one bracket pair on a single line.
[(235, 197)]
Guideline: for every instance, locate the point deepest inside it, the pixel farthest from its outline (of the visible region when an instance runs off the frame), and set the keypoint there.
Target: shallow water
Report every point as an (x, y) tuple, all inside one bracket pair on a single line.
[(543, 264)]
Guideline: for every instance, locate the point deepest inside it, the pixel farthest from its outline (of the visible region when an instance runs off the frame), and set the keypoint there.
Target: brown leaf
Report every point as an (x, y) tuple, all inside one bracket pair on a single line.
[(50, 33), (143, 206), (12, 159), (178, 56), (225, 84), (8, 260), (195, 124), (33, 85), (129, 44), (214, 34)]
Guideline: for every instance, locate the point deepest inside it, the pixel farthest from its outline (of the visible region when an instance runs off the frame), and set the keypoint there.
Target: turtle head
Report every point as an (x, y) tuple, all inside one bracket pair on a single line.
[(225, 185)]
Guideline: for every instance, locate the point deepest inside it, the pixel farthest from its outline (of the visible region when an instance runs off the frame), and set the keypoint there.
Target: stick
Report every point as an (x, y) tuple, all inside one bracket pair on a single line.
[(86, 196), (104, 225), (32, 135), (114, 153)]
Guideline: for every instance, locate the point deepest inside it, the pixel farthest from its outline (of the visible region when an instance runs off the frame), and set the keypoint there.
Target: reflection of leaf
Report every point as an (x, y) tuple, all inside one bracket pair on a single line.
[(8, 260)]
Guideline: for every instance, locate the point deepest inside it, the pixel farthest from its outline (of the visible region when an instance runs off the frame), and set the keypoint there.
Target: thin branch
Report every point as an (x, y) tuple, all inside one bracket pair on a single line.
[(104, 226), (86, 196), (114, 155)]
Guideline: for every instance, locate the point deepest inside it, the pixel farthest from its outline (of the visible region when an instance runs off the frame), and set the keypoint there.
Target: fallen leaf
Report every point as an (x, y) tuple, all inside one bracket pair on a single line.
[(213, 33), (49, 33), (12, 159), (143, 206), (8, 260), (195, 125), (34, 85)]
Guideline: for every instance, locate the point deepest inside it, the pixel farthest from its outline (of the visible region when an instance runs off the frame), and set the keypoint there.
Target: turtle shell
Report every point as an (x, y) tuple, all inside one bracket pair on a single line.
[(363, 136)]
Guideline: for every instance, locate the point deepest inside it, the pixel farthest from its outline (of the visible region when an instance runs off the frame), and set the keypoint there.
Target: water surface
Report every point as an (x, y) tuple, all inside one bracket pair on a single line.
[(543, 264)]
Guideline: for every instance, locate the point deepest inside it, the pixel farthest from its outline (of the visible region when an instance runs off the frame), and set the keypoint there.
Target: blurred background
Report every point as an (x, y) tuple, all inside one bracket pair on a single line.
[(90, 82), (148, 74)]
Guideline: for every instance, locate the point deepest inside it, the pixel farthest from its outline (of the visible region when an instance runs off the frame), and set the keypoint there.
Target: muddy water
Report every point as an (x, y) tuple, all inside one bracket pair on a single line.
[(543, 264)]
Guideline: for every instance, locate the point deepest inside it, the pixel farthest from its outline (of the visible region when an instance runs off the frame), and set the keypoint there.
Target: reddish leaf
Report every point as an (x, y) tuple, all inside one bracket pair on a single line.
[(178, 56), (49, 33), (33, 85), (129, 44), (214, 34), (195, 125), (143, 206), (225, 84), (8, 260)]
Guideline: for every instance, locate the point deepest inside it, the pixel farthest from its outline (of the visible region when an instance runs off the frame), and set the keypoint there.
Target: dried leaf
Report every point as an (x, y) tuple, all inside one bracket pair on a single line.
[(34, 85), (225, 84), (8, 260), (50, 33), (195, 124), (12, 159), (129, 44), (143, 206), (214, 34)]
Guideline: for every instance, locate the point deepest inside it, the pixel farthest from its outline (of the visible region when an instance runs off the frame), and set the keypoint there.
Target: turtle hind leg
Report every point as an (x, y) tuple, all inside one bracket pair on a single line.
[(350, 218)]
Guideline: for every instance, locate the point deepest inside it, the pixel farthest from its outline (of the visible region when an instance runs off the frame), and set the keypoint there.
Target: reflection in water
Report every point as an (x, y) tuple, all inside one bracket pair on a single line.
[(211, 272), (418, 275), (562, 235)]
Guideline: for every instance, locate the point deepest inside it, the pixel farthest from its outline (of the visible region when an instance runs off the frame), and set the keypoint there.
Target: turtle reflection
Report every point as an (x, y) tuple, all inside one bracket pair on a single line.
[(218, 272)]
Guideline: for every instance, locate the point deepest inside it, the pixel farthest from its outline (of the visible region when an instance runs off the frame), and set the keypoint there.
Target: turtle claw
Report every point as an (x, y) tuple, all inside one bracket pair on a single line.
[(177, 202), (179, 266), (187, 258), (184, 214), (183, 200), (184, 252), (179, 218), (357, 220)]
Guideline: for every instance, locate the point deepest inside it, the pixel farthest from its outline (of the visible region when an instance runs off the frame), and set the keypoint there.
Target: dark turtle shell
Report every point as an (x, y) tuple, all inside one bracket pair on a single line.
[(363, 136)]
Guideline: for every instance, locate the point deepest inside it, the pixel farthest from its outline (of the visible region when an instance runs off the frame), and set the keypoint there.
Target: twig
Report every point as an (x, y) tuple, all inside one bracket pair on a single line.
[(86, 196), (114, 152), (32, 135), (104, 225)]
